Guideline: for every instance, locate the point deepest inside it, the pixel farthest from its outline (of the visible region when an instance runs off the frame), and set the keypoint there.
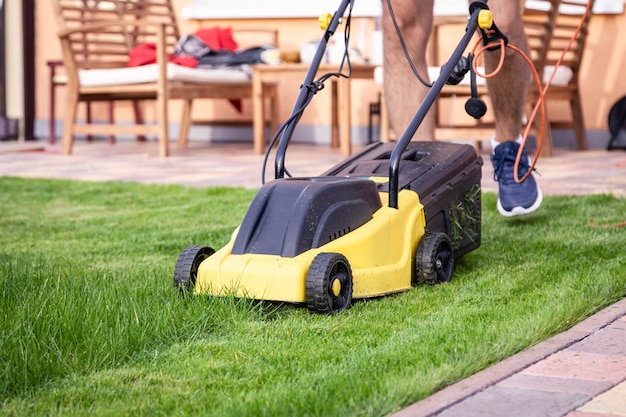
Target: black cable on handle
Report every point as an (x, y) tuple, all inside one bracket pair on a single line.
[(446, 70), (305, 91)]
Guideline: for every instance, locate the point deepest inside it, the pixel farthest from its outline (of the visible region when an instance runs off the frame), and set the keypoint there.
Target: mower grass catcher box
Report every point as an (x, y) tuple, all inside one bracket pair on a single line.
[(446, 177)]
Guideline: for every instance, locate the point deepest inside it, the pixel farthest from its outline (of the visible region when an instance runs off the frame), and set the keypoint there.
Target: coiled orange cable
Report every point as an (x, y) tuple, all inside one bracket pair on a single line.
[(541, 88)]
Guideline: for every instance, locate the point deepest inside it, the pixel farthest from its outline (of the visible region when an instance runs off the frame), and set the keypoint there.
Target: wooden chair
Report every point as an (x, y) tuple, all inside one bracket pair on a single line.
[(539, 24), (60, 80), (96, 40), (566, 84)]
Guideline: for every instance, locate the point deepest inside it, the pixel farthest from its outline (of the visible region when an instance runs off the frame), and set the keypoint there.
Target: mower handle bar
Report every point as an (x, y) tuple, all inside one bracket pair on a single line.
[(305, 92), (398, 150), (446, 70)]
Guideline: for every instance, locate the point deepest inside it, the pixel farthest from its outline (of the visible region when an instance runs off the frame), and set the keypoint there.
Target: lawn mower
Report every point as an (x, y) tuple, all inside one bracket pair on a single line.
[(390, 216)]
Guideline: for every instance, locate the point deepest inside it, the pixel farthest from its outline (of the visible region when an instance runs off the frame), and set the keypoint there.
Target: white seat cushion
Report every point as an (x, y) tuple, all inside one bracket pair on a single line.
[(570, 9), (562, 77), (378, 74), (150, 74)]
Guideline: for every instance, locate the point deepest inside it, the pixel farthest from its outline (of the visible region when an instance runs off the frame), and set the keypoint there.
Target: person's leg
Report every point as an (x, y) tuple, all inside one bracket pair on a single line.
[(403, 92), (509, 88), (507, 91)]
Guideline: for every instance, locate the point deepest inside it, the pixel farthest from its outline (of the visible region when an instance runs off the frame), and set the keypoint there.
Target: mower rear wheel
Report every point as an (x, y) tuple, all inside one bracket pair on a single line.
[(187, 265), (434, 260), (329, 284)]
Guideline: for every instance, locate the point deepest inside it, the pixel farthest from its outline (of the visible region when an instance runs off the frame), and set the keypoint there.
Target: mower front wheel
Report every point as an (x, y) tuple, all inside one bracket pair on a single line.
[(187, 265), (434, 261), (329, 284)]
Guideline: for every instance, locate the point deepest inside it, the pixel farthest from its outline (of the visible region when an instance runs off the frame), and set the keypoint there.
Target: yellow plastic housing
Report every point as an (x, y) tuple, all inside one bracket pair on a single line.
[(380, 253)]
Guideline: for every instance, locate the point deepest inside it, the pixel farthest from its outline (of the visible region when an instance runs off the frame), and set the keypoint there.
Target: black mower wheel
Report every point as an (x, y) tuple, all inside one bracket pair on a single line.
[(187, 265), (329, 284), (434, 260)]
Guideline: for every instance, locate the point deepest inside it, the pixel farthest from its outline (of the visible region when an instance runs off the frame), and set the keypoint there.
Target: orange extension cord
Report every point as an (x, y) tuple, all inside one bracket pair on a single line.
[(541, 88)]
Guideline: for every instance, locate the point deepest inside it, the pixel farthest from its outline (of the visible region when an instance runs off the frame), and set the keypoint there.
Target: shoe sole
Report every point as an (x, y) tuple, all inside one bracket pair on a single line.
[(518, 210)]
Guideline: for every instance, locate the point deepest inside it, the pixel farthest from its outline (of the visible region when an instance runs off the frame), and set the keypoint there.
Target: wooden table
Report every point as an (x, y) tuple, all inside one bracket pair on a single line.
[(341, 117)]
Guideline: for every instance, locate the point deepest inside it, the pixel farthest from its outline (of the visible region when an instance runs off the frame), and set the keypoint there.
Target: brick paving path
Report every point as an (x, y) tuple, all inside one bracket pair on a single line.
[(578, 373)]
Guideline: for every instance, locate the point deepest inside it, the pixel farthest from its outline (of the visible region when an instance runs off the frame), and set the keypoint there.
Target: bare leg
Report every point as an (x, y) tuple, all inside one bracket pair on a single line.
[(509, 88), (403, 93), (507, 91)]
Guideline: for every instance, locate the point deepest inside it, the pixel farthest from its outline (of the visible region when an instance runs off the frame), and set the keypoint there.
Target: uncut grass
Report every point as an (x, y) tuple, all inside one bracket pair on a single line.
[(92, 326)]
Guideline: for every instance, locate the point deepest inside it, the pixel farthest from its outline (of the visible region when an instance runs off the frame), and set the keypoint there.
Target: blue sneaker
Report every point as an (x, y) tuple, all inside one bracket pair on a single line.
[(514, 199)]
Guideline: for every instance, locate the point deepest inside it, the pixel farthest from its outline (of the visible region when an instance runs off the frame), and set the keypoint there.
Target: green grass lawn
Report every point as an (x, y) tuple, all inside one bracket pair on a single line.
[(90, 323)]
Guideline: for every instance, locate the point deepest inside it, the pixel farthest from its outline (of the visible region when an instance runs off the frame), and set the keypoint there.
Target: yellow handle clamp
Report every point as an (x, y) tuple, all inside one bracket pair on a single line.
[(485, 19), (324, 20)]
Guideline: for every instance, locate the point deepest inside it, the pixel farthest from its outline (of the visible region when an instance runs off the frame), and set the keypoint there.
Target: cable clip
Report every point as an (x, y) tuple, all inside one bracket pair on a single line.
[(314, 87), (458, 73), (492, 36), (489, 31)]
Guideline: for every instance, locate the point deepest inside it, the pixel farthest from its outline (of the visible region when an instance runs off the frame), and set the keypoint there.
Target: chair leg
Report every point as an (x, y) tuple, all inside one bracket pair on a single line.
[(334, 115), (163, 121), (67, 140), (52, 65), (385, 135), (185, 123), (373, 113), (111, 121), (547, 148), (578, 122), (138, 119), (52, 121), (88, 110), (274, 112)]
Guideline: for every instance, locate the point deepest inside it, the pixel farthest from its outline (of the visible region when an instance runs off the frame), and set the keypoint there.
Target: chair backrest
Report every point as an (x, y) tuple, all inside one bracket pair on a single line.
[(568, 20), (540, 18), (99, 46)]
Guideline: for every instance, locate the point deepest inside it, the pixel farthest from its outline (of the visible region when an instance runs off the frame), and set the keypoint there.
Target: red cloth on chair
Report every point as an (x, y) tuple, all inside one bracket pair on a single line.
[(218, 39), (145, 54)]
